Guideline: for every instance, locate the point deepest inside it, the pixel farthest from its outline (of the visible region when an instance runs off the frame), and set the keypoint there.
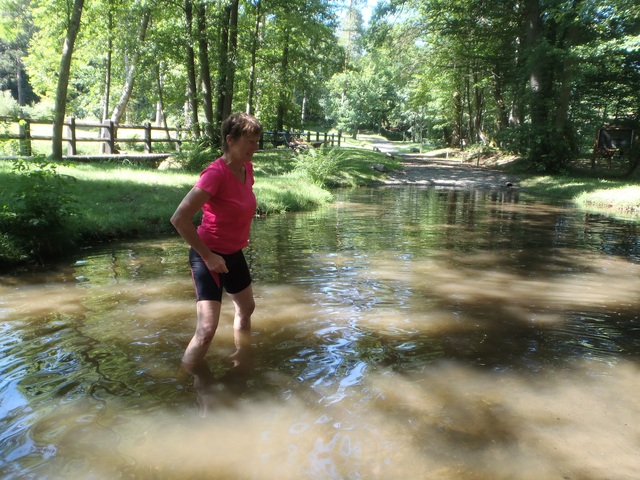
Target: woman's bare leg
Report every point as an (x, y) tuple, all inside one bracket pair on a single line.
[(241, 359), (208, 318), (244, 305)]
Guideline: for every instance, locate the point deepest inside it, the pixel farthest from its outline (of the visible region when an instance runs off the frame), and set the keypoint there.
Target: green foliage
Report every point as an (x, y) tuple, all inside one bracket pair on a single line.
[(35, 215), (288, 193), (44, 109), (197, 159), (319, 165), (8, 106), (8, 147)]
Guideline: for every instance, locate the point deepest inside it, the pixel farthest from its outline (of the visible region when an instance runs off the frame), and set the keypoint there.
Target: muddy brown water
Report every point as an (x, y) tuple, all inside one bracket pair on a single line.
[(402, 332)]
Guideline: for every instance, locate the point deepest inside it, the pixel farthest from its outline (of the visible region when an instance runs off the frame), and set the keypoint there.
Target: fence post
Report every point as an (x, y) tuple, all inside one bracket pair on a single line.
[(24, 129), (147, 137), (325, 138), (178, 138), (71, 133), (339, 135), (110, 139)]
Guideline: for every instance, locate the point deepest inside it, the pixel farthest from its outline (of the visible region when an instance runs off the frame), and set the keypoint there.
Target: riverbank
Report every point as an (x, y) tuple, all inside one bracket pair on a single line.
[(89, 203)]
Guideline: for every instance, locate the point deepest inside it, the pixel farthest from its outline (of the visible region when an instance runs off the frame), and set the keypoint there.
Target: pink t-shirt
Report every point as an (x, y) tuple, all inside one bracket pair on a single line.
[(226, 216)]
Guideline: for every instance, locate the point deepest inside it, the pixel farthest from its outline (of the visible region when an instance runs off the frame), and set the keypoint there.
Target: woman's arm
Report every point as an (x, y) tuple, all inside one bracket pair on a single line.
[(182, 220)]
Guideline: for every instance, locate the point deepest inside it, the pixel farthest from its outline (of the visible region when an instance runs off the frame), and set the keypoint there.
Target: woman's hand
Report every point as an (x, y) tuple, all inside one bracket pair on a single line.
[(215, 263)]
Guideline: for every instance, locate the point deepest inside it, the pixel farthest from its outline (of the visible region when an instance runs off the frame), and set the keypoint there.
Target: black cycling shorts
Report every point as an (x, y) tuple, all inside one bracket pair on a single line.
[(209, 285)]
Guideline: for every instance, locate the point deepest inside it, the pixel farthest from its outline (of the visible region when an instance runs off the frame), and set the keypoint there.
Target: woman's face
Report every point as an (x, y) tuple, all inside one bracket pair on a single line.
[(243, 148)]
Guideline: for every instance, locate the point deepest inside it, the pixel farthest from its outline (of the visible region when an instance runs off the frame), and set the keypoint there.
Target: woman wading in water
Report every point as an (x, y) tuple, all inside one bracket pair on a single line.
[(224, 193)]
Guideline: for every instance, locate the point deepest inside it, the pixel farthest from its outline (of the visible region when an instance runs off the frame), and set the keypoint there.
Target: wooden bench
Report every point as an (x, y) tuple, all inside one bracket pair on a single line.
[(612, 141)]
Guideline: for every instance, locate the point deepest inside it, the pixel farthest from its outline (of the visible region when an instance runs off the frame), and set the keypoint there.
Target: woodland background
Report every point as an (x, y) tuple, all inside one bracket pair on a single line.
[(532, 77)]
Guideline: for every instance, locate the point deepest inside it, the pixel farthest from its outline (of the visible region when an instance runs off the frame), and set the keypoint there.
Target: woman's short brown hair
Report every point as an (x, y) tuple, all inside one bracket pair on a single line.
[(237, 125)]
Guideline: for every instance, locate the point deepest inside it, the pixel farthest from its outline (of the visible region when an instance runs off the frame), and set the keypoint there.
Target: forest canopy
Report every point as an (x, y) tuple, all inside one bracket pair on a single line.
[(533, 77)]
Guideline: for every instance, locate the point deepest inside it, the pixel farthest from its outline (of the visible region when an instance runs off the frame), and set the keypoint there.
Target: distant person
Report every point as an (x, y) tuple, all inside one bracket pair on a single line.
[(224, 193)]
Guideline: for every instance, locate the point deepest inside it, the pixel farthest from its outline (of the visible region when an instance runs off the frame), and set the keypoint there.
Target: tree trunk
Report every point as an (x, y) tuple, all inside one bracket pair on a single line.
[(232, 58), (63, 78), (284, 73), (192, 121), (127, 90), (471, 132), (20, 82), (478, 97), (498, 97), (107, 80), (537, 64), (107, 76), (223, 61), (561, 120), (457, 135), (540, 143), (161, 118), (252, 68), (205, 75)]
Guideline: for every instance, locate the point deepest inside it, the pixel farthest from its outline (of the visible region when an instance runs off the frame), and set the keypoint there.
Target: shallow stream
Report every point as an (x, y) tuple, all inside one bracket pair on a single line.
[(399, 333)]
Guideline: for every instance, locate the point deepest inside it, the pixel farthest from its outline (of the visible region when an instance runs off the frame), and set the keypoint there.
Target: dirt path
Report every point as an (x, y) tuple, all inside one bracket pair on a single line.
[(422, 169)]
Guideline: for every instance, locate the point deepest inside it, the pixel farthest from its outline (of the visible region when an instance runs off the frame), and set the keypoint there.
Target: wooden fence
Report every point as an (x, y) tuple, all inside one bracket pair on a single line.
[(107, 134), (277, 139), (111, 136)]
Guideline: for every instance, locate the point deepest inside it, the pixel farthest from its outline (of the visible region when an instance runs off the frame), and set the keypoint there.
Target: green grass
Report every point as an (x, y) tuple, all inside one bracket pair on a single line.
[(616, 196), (623, 199)]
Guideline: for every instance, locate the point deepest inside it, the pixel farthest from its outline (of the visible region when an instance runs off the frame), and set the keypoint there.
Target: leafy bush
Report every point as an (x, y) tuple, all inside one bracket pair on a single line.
[(197, 159), (8, 147), (34, 218), (44, 109), (8, 106), (319, 165)]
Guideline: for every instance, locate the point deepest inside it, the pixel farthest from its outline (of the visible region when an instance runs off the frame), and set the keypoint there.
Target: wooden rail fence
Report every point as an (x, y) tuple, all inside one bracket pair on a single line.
[(110, 136), (106, 134)]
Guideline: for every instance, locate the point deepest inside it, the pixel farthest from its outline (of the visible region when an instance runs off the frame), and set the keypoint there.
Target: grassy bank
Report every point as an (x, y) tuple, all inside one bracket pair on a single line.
[(608, 196), (51, 210)]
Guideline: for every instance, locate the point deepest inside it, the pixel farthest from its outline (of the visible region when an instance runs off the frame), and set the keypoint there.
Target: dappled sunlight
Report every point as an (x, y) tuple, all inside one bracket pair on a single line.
[(281, 305), (512, 426), (488, 278), (34, 300), (449, 421)]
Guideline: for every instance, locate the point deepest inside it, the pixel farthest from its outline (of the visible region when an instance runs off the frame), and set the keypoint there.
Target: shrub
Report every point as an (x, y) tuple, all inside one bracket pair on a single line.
[(34, 218), (197, 159), (8, 147), (8, 106), (319, 165), (44, 109)]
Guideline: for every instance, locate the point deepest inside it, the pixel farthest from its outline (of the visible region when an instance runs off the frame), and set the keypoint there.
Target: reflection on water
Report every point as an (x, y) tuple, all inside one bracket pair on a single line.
[(399, 333)]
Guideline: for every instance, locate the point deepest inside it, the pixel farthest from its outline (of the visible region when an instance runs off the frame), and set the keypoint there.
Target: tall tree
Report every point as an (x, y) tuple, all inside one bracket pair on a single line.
[(16, 30), (192, 90), (73, 26), (227, 58), (205, 74), (131, 69), (299, 53), (255, 38), (351, 30)]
